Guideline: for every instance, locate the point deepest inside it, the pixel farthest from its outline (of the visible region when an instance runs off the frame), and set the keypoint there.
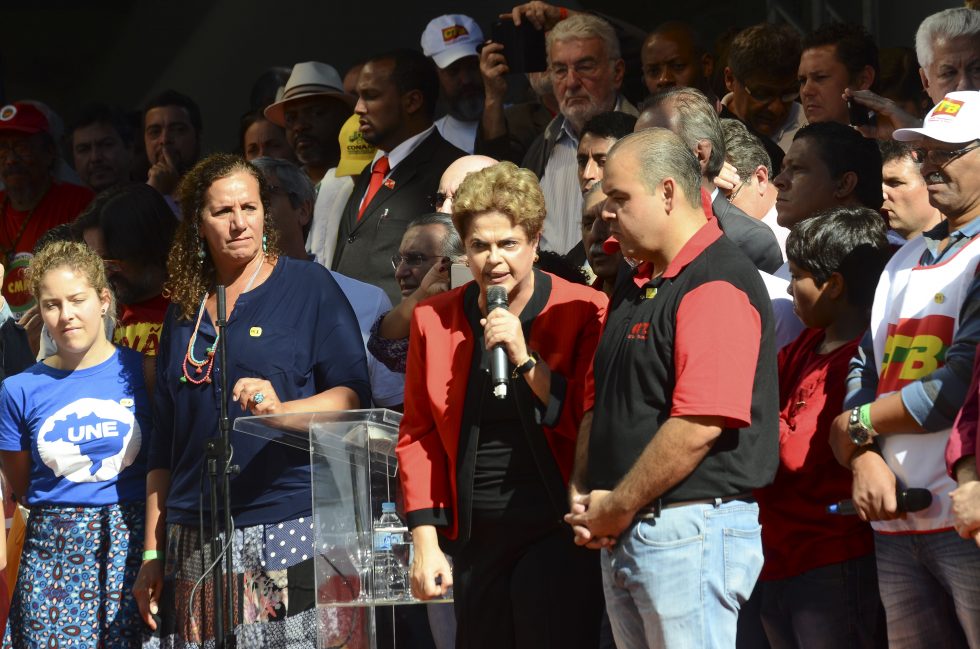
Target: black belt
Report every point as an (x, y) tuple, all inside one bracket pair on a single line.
[(653, 509)]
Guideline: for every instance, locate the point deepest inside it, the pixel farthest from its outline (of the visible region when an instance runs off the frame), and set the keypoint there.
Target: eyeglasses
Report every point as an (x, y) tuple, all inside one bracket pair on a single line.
[(21, 147), (412, 260), (940, 157), (585, 69), (767, 95), (734, 194)]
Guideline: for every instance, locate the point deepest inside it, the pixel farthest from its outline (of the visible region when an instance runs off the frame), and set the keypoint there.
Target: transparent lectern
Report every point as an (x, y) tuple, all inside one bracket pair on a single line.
[(354, 471)]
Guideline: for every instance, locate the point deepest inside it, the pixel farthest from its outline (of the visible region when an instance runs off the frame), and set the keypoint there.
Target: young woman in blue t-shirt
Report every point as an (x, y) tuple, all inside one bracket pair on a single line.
[(71, 438)]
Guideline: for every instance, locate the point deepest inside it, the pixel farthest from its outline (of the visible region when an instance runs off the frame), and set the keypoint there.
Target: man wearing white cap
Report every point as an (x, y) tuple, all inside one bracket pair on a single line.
[(925, 326), (312, 108), (451, 42)]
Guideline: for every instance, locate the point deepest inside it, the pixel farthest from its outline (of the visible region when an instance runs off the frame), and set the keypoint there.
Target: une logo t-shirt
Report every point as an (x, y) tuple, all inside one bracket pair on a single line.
[(89, 440), (86, 430)]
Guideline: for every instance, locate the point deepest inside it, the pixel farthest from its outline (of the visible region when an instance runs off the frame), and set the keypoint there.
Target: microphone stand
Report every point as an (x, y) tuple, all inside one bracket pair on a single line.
[(217, 453)]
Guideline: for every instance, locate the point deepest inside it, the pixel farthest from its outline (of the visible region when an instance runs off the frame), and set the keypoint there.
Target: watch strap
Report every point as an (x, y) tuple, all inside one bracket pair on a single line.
[(526, 366), (864, 416)]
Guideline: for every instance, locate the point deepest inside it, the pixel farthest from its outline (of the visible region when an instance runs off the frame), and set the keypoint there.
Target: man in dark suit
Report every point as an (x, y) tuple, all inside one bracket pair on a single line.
[(398, 92), (687, 112)]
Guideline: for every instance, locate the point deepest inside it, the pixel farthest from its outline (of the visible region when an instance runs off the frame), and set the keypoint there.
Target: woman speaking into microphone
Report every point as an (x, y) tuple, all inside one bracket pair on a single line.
[(485, 473)]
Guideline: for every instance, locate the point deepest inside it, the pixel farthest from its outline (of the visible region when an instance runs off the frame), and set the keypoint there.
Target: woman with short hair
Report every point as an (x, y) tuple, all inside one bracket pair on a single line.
[(487, 477)]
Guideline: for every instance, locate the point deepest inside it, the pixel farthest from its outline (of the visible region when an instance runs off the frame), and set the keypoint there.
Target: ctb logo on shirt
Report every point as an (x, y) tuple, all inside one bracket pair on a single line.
[(914, 348)]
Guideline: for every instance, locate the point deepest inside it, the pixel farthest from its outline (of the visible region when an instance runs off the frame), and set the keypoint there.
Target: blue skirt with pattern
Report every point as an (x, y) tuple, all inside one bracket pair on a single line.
[(74, 587)]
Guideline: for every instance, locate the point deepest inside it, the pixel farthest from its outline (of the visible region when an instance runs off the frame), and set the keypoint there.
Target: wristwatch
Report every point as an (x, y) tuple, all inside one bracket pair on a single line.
[(859, 425), (526, 366)]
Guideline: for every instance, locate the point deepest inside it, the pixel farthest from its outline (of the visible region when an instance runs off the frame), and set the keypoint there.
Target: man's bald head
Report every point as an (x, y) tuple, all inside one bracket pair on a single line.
[(454, 175)]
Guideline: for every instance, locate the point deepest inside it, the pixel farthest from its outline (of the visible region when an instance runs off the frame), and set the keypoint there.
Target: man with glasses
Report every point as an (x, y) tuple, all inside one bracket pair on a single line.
[(32, 201), (427, 249), (587, 71), (762, 81), (908, 388)]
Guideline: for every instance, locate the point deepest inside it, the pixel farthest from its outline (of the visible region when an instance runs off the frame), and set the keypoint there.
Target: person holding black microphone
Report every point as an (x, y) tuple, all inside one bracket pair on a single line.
[(485, 461)]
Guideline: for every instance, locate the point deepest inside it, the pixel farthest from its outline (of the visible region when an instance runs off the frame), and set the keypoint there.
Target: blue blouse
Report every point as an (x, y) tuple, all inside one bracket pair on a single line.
[(296, 330)]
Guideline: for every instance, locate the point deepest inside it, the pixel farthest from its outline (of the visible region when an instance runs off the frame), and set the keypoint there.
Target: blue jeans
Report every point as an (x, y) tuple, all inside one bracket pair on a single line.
[(930, 586), (678, 580), (831, 607)]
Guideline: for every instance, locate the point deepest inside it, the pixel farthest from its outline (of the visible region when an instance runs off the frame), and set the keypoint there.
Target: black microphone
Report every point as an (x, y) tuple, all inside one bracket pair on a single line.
[(220, 299), (909, 500), (497, 299)]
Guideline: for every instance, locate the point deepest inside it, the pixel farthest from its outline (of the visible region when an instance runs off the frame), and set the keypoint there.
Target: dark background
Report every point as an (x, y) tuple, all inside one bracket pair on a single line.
[(68, 53)]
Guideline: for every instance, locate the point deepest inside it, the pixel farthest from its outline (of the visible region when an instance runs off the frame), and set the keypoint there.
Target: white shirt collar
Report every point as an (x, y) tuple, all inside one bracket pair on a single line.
[(403, 150)]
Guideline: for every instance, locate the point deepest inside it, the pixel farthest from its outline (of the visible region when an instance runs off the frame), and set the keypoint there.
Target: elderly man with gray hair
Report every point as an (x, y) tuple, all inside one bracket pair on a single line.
[(947, 45), (688, 113), (292, 209), (587, 71)]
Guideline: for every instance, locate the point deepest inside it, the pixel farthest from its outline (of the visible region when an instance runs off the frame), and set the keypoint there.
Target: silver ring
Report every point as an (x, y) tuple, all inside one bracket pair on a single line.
[(258, 398)]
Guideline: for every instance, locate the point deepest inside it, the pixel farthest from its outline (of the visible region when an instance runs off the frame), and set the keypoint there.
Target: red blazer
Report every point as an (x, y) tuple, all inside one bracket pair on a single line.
[(440, 351)]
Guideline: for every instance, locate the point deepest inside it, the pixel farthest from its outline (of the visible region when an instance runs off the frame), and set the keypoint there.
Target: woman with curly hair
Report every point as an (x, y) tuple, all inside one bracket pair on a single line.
[(293, 345), (73, 430), (486, 477)]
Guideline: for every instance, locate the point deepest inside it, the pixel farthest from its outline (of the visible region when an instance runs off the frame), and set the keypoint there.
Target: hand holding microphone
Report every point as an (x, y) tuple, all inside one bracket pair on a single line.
[(909, 500), (504, 339)]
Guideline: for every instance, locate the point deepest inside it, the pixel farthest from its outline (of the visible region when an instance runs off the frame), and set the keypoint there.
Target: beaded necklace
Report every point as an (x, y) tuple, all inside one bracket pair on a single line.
[(199, 365)]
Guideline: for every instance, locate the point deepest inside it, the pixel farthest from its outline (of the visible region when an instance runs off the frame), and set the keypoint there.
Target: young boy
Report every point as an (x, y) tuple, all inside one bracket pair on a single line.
[(819, 585)]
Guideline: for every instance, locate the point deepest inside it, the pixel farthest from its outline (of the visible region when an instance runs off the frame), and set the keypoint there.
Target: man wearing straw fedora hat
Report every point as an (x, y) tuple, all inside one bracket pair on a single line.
[(312, 108)]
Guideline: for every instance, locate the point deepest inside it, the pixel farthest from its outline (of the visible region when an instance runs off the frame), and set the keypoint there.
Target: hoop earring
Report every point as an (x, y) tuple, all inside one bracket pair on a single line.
[(265, 244)]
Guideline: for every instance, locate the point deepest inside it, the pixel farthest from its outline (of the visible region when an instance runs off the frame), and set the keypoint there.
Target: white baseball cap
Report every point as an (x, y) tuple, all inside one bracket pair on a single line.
[(955, 119), (448, 38)]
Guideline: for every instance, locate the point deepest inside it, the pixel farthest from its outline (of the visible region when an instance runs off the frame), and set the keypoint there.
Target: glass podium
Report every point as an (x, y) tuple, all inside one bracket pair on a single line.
[(354, 470)]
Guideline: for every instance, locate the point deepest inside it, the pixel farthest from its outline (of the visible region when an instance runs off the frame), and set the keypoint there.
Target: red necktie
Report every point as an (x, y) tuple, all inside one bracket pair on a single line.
[(378, 173)]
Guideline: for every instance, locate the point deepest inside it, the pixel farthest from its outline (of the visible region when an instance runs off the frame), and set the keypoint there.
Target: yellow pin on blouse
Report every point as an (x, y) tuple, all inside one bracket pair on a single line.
[(126, 403), (650, 294), (255, 332), (940, 298)]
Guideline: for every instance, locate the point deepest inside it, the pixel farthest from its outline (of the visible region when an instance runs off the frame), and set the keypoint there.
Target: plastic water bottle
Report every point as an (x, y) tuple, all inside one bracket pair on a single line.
[(392, 555)]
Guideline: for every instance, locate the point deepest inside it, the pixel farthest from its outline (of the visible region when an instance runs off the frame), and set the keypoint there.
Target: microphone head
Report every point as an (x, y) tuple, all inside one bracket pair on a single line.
[(914, 500), (496, 297)]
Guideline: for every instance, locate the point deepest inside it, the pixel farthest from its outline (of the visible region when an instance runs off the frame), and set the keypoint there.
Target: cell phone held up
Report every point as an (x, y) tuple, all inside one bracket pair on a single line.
[(858, 114), (523, 46)]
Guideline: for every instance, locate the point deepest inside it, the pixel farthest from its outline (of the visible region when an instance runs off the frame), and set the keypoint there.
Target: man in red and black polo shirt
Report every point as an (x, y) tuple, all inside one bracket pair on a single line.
[(685, 418)]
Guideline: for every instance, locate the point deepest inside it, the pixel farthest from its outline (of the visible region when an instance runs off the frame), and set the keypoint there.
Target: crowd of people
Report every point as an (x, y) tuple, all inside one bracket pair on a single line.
[(739, 318)]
